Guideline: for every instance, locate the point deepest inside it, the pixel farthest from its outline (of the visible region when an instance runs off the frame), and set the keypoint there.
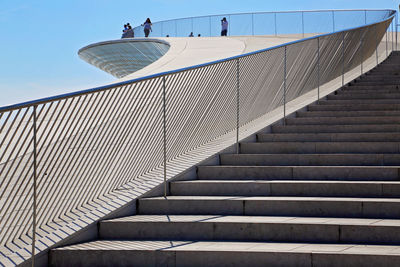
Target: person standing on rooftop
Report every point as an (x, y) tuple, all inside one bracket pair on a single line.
[(128, 31), (147, 27), (224, 27)]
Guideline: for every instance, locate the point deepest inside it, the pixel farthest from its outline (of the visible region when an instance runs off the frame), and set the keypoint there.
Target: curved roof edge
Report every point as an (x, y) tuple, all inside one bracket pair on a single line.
[(125, 40), (125, 56)]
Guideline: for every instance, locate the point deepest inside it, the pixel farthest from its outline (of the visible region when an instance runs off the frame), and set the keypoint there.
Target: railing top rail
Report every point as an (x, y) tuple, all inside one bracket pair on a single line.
[(113, 85), (271, 12)]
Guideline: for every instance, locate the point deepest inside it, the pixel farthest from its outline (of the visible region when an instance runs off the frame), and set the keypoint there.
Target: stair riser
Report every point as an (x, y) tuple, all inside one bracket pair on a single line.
[(335, 128), (253, 207), (342, 120), (359, 101), (362, 96), (107, 258), (275, 188), (362, 91), (380, 73), (330, 137), (378, 78), (373, 82), (321, 148), (370, 87), (217, 258), (355, 107), (236, 231), (298, 173), (310, 160), (311, 114), (392, 67)]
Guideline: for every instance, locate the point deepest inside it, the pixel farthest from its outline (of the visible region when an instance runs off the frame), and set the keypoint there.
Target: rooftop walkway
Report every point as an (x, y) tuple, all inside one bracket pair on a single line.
[(186, 52)]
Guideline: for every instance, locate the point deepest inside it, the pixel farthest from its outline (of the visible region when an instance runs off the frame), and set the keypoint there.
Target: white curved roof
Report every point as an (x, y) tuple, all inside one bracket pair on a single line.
[(189, 51)]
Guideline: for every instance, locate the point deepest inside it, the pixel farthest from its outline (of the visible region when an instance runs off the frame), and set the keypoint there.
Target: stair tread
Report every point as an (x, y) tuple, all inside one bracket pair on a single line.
[(287, 181), (254, 219), (336, 142), (295, 166), (215, 246), (273, 198), (338, 134), (348, 114)]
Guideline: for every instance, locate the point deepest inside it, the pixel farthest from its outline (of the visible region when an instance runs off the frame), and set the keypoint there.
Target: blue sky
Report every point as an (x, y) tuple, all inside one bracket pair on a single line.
[(40, 39)]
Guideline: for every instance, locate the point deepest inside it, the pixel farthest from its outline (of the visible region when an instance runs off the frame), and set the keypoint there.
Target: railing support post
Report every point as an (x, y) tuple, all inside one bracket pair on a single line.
[(276, 31), (284, 88), (237, 104), (342, 58), (318, 68), (229, 25), (333, 21), (362, 53), (252, 23), (34, 183), (387, 42), (192, 25), (302, 22), (396, 35), (209, 22), (176, 29), (376, 48), (392, 36), (365, 17), (164, 136), (396, 18)]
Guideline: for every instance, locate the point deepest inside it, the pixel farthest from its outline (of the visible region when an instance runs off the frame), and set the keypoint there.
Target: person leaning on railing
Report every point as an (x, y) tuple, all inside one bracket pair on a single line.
[(128, 31), (147, 27)]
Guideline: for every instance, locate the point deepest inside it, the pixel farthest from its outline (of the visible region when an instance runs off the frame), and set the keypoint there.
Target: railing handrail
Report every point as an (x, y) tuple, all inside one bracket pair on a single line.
[(113, 85), (267, 12)]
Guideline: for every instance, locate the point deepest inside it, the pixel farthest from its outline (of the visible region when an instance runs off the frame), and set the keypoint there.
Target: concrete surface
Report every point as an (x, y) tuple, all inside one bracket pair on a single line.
[(186, 52)]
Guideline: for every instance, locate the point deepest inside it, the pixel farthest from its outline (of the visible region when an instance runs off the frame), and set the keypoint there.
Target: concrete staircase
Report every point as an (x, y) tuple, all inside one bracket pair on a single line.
[(322, 190)]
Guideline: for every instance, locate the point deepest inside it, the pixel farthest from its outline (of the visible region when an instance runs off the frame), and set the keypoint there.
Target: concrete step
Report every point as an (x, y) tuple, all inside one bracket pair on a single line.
[(378, 78), (309, 159), (392, 67), (329, 137), (357, 87), (374, 83), (359, 101), (381, 73), (383, 208), (250, 228), (390, 73), (366, 148), (223, 253), (363, 113), (286, 188), (353, 107), (341, 173), (361, 128), (343, 120), (365, 96), (367, 91)]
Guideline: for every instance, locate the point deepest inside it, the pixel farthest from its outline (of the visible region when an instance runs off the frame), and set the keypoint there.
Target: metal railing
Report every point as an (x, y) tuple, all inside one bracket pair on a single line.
[(291, 23), (69, 160)]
